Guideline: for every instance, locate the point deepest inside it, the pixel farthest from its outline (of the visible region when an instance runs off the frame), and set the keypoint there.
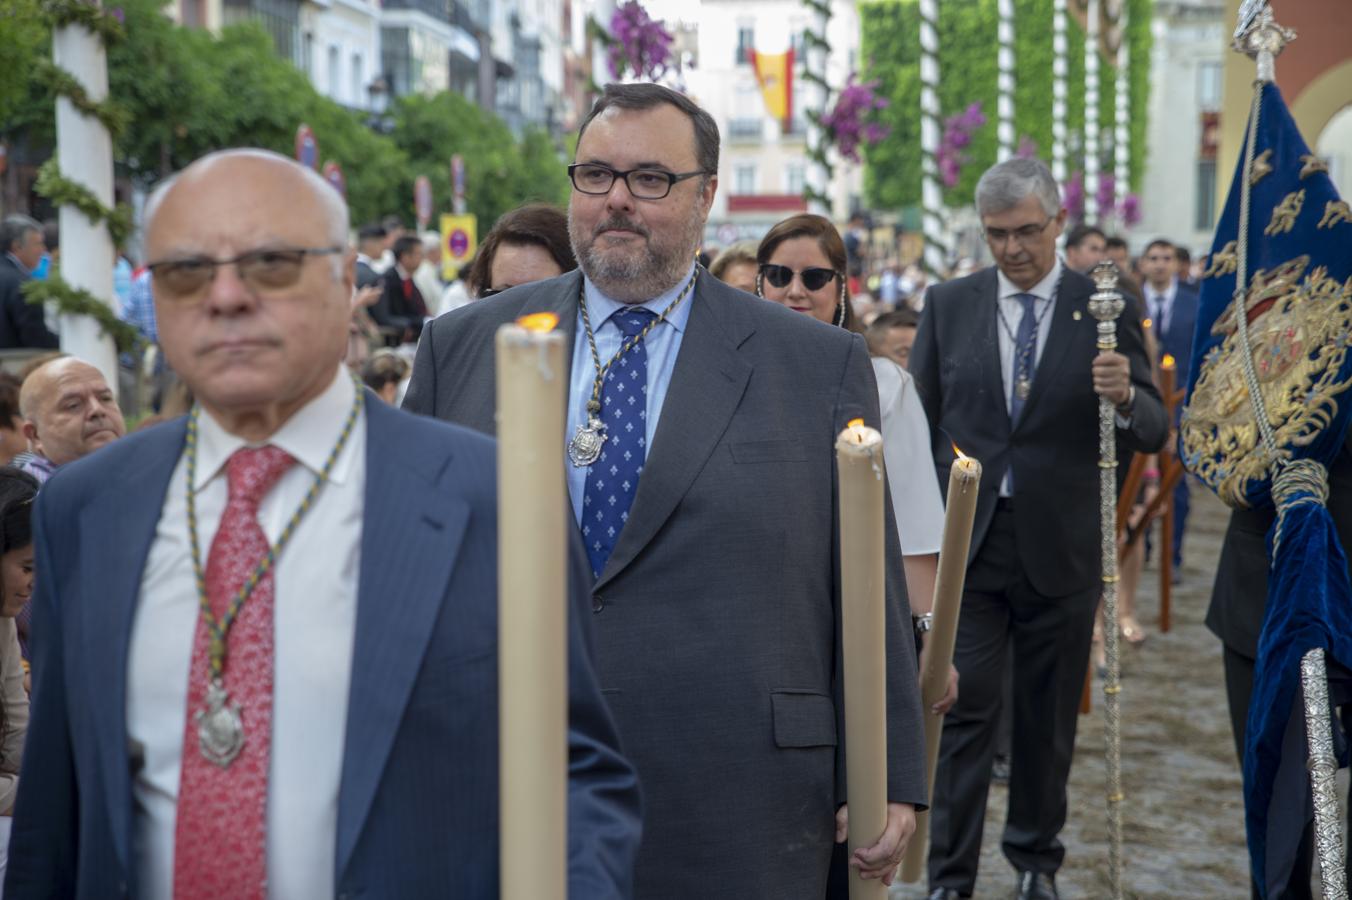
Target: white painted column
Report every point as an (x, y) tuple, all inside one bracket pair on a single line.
[(1091, 118), (1059, 17), (1005, 102), (815, 97), (1122, 119), (931, 197), (84, 151)]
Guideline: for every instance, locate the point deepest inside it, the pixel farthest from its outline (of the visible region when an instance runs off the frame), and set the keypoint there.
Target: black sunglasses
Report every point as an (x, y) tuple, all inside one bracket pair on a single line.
[(814, 279)]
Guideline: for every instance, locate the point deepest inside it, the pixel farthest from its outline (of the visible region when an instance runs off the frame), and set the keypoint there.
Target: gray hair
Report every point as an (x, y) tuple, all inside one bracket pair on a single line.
[(14, 229), (1005, 185), (333, 204)]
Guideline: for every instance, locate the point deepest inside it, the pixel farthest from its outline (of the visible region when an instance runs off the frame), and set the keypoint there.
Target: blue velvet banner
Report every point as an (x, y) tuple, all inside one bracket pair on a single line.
[(1299, 313)]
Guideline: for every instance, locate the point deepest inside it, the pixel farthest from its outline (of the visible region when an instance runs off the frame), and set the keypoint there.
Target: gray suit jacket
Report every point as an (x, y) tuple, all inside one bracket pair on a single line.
[(1053, 448), (717, 618)]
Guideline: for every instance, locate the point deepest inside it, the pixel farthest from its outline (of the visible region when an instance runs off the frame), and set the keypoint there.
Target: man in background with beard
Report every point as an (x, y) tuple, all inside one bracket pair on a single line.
[(708, 513)]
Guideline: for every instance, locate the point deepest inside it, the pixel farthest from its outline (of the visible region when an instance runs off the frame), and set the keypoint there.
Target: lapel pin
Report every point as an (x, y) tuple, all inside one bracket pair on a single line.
[(1076, 315)]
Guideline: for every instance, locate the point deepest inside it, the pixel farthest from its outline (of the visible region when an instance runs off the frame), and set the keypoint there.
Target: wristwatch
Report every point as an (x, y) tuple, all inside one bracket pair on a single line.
[(923, 623)]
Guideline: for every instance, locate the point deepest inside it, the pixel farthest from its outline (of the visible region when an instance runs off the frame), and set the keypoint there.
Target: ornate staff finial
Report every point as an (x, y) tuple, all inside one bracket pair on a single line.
[(1259, 36), (1106, 304)]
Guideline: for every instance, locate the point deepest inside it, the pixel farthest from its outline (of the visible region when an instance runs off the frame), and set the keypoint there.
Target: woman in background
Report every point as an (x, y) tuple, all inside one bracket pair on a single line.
[(737, 266), (527, 244)]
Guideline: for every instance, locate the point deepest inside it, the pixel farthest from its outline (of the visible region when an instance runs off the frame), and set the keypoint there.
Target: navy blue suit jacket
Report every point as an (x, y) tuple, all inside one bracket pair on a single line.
[(418, 799), (1177, 339)]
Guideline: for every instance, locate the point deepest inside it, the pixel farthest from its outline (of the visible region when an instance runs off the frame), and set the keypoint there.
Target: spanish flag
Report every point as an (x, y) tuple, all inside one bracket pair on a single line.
[(774, 73)]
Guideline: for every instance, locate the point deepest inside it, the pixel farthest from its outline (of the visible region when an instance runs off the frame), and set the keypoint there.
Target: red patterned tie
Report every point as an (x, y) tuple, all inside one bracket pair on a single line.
[(220, 842)]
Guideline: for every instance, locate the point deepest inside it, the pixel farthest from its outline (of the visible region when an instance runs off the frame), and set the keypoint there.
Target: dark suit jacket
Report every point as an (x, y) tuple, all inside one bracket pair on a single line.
[(717, 616), (418, 798), (1239, 597), (1054, 447), (21, 322), (1176, 340), (393, 309)]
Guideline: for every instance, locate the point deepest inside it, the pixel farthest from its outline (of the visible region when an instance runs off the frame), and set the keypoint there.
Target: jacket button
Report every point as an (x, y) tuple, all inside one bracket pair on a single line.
[(598, 603)]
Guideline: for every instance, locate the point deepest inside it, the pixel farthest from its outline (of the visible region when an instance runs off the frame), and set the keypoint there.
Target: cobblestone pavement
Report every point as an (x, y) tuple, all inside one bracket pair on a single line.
[(1183, 813)]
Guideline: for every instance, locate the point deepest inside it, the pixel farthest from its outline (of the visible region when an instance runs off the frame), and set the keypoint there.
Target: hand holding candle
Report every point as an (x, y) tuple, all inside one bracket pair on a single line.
[(963, 479), (532, 382)]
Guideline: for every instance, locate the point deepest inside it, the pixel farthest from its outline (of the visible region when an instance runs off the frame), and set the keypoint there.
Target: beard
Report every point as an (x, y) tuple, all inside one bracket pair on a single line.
[(638, 273)]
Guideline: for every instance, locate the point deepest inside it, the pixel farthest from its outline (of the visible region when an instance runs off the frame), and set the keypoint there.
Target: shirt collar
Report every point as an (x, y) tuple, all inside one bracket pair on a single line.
[(309, 435), (1167, 295), (600, 307), (1043, 290)]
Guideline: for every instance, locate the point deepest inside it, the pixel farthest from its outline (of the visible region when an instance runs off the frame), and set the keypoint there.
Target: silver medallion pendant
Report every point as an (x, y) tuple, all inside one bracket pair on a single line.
[(585, 447), (220, 729), (1023, 387)]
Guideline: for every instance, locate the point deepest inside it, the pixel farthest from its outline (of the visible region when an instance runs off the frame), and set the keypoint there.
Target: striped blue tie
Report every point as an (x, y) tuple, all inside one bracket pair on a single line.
[(1025, 354)]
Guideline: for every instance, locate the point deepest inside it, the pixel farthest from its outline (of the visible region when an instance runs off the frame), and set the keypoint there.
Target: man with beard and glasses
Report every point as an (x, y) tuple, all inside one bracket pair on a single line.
[(708, 513)]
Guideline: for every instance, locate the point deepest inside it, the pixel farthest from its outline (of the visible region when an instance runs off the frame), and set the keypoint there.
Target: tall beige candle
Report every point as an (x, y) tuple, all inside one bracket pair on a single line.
[(963, 478), (532, 383), (859, 458)]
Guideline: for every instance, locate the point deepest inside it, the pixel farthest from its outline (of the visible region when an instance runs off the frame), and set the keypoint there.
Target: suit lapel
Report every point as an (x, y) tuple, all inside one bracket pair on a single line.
[(1063, 334), (706, 387), (562, 302), (411, 532), (131, 503)]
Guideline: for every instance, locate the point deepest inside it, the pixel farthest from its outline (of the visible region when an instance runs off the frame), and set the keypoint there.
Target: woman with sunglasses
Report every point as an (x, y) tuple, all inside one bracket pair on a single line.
[(801, 264)]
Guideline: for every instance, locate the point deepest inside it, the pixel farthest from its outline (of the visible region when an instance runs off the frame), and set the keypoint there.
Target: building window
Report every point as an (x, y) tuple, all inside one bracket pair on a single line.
[(744, 180), (1209, 86), (358, 79), (1205, 218), (281, 18), (746, 42), (795, 177), (334, 66)]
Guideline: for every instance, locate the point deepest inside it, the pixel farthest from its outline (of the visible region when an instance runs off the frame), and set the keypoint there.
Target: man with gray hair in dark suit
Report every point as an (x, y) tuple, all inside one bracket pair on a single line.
[(701, 426), (1007, 366)]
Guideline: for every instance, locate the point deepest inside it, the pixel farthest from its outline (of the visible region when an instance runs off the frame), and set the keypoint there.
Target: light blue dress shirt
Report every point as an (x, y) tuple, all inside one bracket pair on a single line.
[(662, 344)]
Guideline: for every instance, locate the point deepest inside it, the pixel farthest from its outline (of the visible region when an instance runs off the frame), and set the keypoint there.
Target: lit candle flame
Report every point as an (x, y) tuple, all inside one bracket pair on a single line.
[(1148, 323), (540, 323), (1169, 361), (856, 429), (958, 451)]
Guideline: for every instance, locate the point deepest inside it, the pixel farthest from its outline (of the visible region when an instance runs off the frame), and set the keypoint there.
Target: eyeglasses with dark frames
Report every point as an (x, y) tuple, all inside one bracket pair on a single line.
[(1024, 235), (814, 278), (643, 184), (269, 269)]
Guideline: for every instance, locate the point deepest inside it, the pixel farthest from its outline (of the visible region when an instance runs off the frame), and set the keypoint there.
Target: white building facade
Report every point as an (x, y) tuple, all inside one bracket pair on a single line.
[(342, 39), (1179, 196), (764, 165)]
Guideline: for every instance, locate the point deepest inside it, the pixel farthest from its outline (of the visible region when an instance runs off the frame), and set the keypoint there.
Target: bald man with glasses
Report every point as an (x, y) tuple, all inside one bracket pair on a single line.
[(1007, 367)]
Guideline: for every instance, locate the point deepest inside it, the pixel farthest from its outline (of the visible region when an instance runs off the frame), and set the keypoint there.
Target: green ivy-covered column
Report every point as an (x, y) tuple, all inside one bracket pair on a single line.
[(80, 180), (816, 102)]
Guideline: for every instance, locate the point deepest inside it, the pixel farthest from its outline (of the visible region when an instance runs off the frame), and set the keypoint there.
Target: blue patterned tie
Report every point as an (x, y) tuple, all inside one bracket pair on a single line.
[(612, 480), (1025, 354)]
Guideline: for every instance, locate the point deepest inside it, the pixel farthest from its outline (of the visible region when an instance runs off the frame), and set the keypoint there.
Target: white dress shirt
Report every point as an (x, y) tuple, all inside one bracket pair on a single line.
[(662, 345), (315, 608), (909, 459), (1153, 300), (1010, 311)]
